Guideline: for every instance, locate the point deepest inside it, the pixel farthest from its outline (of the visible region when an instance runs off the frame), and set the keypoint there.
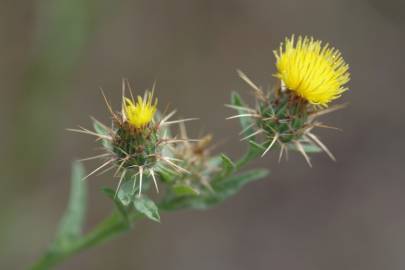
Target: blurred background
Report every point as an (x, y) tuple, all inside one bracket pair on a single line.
[(55, 55)]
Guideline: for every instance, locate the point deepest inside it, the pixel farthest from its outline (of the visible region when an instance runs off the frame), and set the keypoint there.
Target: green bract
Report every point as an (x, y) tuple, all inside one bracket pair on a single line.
[(136, 147), (282, 119)]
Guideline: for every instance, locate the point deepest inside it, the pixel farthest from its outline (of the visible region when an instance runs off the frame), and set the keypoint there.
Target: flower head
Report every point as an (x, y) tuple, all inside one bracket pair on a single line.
[(315, 72), (198, 163), (141, 113)]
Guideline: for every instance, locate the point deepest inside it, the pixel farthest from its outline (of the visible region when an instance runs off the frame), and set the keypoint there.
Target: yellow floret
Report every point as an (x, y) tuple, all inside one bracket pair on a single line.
[(141, 113), (314, 72)]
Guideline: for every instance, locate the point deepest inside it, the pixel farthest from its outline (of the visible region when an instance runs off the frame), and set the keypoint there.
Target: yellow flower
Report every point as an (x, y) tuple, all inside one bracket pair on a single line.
[(141, 113), (313, 71)]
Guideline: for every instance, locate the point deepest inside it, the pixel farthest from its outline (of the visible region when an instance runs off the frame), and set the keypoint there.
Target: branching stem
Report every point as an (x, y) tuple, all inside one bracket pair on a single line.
[(110, 227)]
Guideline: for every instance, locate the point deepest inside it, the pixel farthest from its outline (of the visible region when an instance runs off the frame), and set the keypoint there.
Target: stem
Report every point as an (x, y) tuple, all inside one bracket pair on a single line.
[(110, 227), (249, 156)]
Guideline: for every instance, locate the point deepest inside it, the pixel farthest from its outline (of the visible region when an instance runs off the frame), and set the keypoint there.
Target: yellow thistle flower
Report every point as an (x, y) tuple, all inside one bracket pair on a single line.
[(141, 113), (313, 71)]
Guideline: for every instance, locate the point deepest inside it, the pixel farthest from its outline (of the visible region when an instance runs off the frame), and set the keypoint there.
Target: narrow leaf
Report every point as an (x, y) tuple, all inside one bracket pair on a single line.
[(147, 207), (101, 129), (246, 123), (127, 191), (227, 164), (166, 175), (254, 151), (234, 183), (222, 190), (184, 190), (308, 148), (72, 221)]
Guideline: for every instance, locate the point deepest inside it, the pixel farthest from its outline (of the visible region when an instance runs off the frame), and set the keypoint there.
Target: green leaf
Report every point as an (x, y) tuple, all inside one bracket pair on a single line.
[(71, 225), (222, 190), (253, 152), (233, 184), (184, 190), (256, 147), (129, 188), (245, 122), (101, 129), (147, 207), (121, 209), (127, 191), (308, 148), (166, 175), (227, 164)]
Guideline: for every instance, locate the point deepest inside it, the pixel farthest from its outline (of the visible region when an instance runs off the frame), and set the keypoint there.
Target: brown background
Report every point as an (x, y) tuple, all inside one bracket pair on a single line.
[(343, 215)]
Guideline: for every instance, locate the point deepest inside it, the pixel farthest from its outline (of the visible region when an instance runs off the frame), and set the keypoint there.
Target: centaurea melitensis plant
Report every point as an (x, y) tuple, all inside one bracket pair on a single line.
[(140, 150)]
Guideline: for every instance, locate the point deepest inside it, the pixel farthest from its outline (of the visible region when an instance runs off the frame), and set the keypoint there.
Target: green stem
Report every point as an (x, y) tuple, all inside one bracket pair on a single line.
[(249, 156), (107, 229)]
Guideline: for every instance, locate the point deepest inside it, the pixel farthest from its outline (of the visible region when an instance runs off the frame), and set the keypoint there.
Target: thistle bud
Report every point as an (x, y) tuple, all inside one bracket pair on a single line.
[(135, 144), (136, 138), (194, 156)]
